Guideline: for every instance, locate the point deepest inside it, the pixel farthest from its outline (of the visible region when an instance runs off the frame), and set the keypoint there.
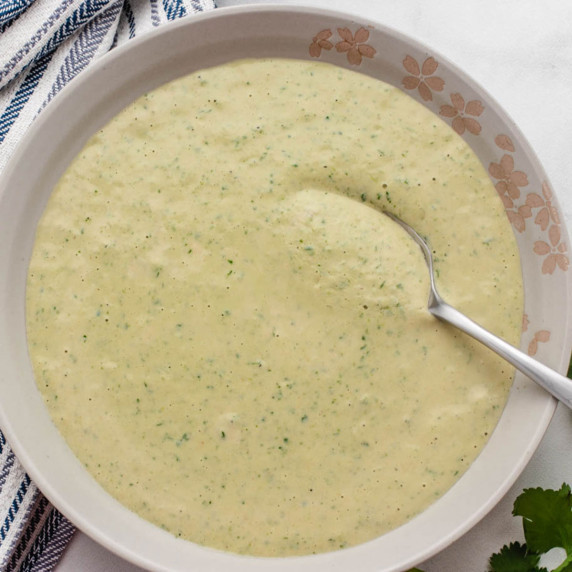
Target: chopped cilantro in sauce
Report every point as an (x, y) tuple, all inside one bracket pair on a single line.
[(235, 341)]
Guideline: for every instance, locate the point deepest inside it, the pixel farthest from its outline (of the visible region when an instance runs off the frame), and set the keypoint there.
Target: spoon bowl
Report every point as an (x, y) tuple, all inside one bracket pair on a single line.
[(556, 384)]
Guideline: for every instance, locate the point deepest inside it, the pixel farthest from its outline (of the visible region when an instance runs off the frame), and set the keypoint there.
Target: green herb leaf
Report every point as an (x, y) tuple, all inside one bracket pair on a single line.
[(547, 518), (515, 558), (547, 522)]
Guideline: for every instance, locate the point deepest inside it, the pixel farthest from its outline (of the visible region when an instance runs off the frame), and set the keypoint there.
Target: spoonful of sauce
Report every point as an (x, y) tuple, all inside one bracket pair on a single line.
[(553, 382)]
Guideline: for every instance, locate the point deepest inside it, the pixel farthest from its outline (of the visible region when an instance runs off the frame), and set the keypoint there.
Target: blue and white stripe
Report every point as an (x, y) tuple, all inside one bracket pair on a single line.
[(22, 92), (95, 38), (10, 10), (44, 44)]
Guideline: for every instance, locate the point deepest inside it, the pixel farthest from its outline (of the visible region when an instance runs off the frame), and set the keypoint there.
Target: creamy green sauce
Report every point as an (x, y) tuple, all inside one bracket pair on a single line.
[(234, 340)]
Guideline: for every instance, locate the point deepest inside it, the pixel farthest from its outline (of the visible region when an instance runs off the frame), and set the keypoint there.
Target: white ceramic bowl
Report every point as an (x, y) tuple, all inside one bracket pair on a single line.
[(210, 39)]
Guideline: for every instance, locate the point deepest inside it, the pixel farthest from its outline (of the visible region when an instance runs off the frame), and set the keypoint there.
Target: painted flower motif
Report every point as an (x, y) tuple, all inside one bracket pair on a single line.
[(508, 188), (542, 336), (463, 114), (321, 42), (554, 251), (422, 77), (516, 215), (547, 214), (505, 143), (509, 180), (355, 46)]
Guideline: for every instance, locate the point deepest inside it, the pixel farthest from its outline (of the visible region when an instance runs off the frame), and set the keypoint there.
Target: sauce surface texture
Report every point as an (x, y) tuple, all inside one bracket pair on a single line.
[(231, 336)]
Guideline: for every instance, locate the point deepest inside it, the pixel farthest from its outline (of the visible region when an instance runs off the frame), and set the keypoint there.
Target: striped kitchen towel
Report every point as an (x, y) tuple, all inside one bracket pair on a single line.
[(43, 45)]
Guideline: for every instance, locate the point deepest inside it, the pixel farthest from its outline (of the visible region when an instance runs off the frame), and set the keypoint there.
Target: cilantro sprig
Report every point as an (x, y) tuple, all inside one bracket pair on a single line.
[(547, 523)]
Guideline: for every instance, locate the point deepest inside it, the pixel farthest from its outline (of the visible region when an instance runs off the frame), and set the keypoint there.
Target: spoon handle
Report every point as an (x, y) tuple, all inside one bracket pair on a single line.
[(556, 384)]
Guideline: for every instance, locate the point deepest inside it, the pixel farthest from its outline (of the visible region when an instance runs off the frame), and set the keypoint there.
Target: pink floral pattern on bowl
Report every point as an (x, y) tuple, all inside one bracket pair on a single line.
[(321, 41), (528, 201), (463, 114), (540, 336), (422, 77), (353, 45), (508, 185)]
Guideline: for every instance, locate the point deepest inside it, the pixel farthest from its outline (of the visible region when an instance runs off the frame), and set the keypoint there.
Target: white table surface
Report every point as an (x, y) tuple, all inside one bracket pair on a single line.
[(521, 52)]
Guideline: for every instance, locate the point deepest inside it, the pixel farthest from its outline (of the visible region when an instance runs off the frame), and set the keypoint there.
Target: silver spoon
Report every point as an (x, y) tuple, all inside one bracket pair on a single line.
[(556, 384)]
